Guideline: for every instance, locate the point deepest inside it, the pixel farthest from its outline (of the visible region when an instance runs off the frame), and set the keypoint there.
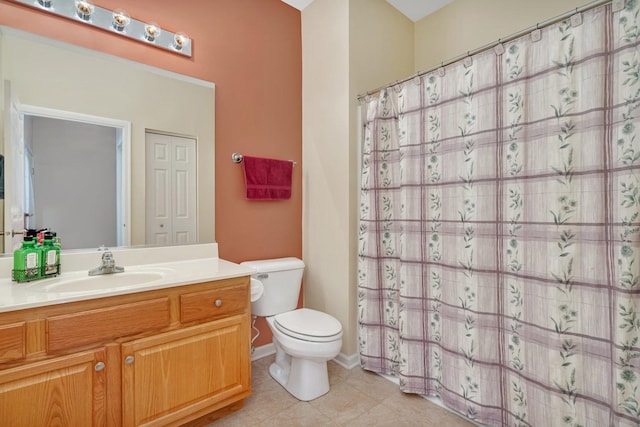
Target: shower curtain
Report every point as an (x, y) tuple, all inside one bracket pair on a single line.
[(499, 255)]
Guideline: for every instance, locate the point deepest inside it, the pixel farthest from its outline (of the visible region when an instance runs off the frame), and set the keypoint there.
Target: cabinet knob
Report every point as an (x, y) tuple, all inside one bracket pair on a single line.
[(129, 360), (99, 366), (218, 302)]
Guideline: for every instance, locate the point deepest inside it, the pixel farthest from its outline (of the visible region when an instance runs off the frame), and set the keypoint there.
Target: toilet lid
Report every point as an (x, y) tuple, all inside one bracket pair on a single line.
[(309, 325)]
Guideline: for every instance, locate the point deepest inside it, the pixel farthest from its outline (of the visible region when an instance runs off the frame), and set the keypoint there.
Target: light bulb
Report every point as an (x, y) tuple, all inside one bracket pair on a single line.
[(120, 20), (180, 40), (151, 32), (84, 9)]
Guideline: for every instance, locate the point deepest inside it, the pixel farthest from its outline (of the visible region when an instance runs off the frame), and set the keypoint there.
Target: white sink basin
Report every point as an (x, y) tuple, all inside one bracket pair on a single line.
[(96, 283)]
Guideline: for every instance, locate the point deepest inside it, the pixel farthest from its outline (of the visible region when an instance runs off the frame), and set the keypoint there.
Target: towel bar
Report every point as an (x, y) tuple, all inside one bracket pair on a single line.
[(237, 158)]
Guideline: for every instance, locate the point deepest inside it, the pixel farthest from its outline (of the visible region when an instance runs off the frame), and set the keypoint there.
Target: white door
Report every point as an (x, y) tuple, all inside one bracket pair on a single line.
[(170, 189), (14, 215)]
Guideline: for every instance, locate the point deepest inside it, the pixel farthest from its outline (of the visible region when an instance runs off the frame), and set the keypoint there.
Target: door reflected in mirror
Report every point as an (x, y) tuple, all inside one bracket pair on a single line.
[(86, 211), (51, 75), (171, 189)]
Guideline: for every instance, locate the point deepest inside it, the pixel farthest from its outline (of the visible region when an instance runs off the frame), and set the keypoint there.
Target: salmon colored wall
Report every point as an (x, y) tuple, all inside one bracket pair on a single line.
[(251, 50)]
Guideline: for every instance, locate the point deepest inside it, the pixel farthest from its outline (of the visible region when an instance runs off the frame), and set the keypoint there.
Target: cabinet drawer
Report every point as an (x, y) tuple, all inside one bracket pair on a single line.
[(104, 324), (12, 342), (213, 303)]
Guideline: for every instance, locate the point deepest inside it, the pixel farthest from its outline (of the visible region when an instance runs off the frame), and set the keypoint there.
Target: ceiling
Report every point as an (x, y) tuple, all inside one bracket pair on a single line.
[(412, 9)]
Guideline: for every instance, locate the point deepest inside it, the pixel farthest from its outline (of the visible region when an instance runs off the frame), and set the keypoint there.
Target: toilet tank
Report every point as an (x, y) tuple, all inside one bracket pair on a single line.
[(281, 278)]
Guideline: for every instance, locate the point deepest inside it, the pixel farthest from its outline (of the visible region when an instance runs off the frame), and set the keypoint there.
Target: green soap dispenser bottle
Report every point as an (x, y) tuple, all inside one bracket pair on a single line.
[(56, 240), (49, 256), (26, 261)]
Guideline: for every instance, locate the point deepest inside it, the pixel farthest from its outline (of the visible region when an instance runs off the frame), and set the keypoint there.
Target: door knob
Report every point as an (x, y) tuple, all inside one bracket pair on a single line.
[(129, 360)]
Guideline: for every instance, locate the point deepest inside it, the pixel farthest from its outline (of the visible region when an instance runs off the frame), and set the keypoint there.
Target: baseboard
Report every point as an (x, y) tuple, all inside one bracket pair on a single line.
[(263, 351), (347, 362)]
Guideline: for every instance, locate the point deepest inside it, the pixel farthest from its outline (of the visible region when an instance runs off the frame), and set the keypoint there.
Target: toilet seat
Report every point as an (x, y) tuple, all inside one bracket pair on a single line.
[(309, 325)]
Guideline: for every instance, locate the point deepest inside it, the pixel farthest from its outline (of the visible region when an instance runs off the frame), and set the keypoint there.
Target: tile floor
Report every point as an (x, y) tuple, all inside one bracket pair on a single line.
[(357, 398)]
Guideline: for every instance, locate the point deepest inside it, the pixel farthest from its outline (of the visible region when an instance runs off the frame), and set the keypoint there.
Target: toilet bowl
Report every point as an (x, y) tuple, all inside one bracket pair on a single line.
[(301, 358), (304, 339)]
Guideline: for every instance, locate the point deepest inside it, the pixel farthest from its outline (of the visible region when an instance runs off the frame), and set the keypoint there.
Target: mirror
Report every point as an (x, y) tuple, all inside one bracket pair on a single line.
[(55, 76)]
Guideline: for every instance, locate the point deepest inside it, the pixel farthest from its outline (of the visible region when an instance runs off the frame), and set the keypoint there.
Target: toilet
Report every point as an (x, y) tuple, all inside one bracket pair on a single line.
[(304, 339)]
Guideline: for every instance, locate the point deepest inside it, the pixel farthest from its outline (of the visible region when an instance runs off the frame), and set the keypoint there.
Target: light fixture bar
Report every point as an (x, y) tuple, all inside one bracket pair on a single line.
[(117, 22)]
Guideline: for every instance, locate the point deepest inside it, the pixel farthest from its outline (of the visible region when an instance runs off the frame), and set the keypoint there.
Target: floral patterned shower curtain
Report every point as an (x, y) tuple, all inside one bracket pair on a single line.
[(499, 234)]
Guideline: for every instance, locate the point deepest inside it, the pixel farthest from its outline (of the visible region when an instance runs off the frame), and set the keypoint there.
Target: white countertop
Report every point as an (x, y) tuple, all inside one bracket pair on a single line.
[(168, 267)]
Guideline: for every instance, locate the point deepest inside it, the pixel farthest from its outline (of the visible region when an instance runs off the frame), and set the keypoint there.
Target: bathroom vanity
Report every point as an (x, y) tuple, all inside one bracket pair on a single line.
[(169, 347)]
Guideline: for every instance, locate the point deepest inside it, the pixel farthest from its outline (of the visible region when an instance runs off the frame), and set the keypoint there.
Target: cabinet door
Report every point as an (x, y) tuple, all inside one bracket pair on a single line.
[(184, 374), (67, 391)]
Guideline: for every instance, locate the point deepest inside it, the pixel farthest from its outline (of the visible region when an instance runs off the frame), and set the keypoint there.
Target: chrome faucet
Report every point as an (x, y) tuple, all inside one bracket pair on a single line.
[(107, 265)]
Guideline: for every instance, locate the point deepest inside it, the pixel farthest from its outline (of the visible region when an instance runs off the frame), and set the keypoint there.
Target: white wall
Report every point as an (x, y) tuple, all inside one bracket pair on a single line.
[(347, 47), (82, 81), (465, 25), (325, 154)]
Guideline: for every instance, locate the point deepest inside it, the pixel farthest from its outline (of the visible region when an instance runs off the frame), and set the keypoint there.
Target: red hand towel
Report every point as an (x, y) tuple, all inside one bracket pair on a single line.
[(267, 179)]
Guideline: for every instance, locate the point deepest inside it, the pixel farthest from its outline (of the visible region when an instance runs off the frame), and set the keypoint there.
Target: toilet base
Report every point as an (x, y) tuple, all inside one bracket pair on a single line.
[(304, 379), (301, 366)]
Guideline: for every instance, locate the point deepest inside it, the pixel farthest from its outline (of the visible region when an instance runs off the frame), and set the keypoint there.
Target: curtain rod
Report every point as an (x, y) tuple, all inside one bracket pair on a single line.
[(491, 45)]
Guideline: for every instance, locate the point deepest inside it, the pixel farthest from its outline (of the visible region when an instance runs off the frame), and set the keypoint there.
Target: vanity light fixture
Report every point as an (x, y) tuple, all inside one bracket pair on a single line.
[(118, 22)]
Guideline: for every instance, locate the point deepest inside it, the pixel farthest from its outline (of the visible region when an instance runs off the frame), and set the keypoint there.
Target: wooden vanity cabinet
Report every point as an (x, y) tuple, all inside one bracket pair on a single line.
[(177, 356)]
